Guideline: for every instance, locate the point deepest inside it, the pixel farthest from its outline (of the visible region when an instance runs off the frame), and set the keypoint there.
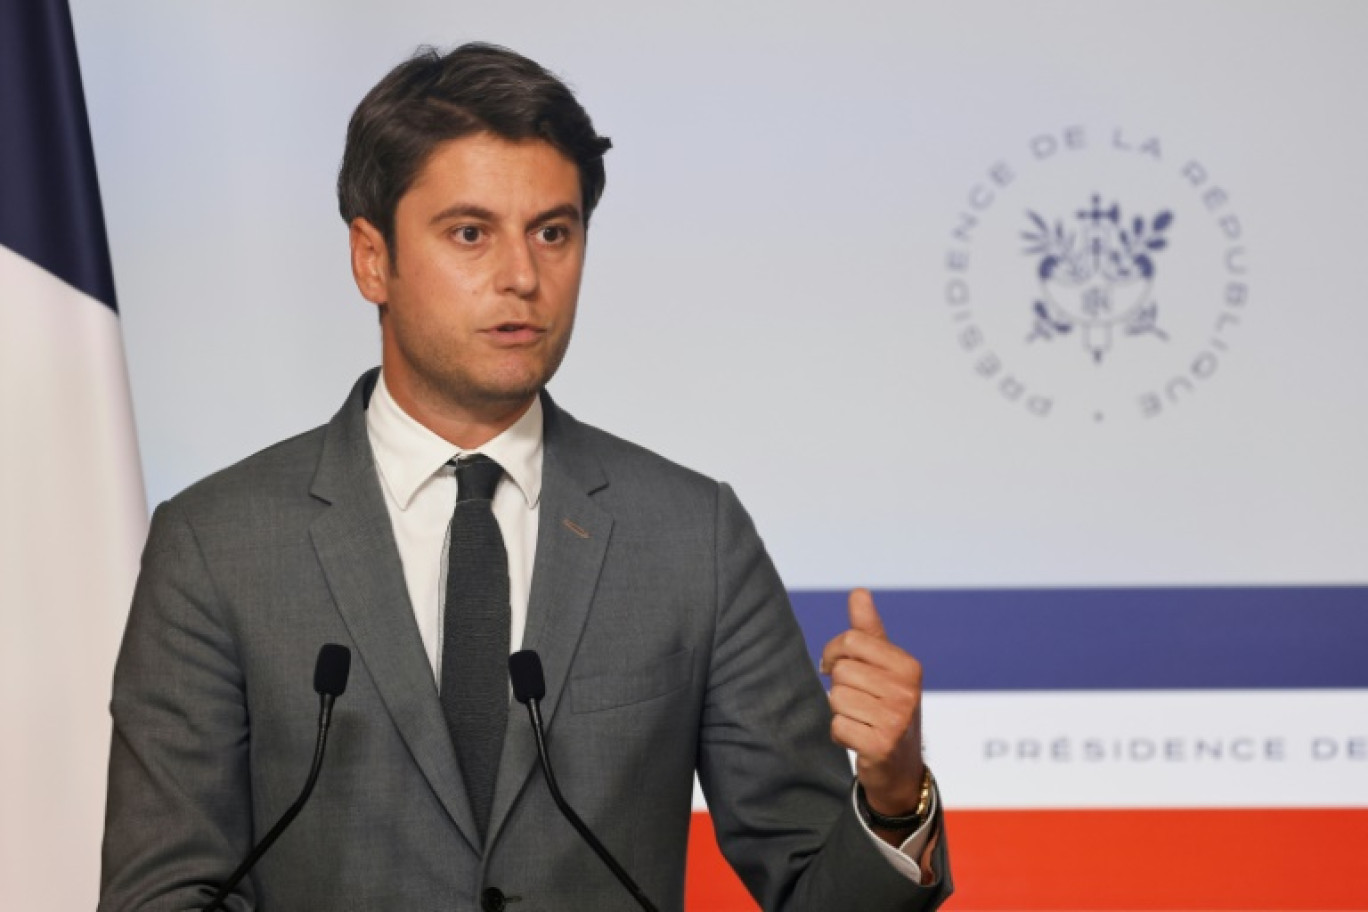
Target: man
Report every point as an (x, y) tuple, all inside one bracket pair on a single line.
[(467, 183)]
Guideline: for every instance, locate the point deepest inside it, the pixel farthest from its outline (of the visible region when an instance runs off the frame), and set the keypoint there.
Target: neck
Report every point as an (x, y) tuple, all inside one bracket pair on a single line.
[(466, 425)]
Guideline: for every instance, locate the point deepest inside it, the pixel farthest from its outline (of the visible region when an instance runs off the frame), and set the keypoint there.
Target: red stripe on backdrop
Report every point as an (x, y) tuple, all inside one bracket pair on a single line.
[(711, 886), (1287, 860)]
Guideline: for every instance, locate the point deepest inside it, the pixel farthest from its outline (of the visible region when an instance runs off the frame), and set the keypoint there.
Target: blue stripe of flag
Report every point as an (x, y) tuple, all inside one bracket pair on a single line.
[(1132, 638), (49, 196)]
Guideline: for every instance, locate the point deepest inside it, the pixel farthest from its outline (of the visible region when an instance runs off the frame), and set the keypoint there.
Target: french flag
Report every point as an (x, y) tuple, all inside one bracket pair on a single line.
[(72, 510)]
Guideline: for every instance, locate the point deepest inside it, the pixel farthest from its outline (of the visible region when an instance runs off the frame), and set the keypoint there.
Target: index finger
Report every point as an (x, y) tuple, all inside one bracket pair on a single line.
[(862, 647)]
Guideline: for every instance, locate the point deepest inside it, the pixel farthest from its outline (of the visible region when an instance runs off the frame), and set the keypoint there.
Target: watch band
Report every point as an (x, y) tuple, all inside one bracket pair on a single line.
[(906, 822)]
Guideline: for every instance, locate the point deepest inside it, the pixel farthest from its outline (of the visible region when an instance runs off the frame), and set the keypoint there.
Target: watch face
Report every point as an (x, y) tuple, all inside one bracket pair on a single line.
[(924, 803)]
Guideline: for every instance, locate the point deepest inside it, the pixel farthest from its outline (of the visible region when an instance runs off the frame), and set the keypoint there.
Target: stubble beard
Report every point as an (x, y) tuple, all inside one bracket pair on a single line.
[(458, 388)]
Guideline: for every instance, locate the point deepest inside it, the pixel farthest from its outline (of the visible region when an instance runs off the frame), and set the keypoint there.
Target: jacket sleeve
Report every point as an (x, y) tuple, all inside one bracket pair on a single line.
[(778, 788), (178, 814)]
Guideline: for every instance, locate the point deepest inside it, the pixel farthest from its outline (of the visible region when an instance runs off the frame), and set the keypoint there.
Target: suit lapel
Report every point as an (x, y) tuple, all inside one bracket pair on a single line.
[(356, 549), (572, 539)]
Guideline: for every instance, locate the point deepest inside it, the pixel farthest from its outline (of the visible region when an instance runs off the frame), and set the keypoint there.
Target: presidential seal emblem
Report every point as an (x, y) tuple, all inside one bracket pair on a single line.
[(1098, 278), (1128, 266)]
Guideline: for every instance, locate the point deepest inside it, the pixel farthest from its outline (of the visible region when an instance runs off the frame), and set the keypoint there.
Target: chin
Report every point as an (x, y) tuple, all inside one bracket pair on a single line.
[(517, 382), (509, 390)]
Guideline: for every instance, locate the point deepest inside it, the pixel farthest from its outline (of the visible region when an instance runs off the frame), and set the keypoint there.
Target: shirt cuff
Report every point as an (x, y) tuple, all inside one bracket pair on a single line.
[(903, 857)]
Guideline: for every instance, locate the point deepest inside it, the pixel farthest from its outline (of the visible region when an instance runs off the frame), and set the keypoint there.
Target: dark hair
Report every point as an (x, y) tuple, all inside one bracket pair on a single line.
[(432, 98)]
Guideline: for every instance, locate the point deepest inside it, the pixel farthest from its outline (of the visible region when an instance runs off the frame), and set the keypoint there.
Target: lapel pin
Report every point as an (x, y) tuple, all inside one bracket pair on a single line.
[(573, 527)]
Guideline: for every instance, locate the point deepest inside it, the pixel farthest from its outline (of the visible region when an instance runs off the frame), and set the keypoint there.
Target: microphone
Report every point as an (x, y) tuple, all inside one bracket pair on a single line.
[(330, 681), (529, 686)]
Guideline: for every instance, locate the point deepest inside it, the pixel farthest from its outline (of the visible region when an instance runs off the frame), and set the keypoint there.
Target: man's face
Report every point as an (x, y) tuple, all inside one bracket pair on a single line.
[(479, 293)]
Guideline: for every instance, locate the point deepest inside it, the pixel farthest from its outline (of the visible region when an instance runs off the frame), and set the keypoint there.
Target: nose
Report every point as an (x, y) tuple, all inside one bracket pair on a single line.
[(518, 269)]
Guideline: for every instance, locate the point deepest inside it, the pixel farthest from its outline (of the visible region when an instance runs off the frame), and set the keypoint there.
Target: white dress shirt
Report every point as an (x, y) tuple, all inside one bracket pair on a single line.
[(420, 494)]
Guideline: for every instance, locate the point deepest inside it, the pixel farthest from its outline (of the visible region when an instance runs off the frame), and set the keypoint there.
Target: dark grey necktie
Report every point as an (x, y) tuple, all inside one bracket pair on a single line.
[(475, 633)]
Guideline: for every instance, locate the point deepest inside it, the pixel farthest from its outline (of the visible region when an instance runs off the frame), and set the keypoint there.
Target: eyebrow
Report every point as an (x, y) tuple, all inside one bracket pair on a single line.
[(463, 210), (480, 213), (565, 211)]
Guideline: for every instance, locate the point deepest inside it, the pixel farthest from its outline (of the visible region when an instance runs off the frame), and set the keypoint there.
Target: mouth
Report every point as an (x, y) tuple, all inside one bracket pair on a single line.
[(514, 333)]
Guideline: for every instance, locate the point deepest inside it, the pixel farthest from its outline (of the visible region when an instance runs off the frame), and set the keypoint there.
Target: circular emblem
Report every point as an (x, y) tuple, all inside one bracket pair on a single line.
[(1096, 275)]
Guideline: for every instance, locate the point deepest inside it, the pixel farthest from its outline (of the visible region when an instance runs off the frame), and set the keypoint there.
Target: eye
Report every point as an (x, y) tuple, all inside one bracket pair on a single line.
[(552, 234), (468, 234)]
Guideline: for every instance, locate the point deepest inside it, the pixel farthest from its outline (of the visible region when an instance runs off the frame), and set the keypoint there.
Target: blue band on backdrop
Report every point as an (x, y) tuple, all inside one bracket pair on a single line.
[(1084, 639), (49, 196)]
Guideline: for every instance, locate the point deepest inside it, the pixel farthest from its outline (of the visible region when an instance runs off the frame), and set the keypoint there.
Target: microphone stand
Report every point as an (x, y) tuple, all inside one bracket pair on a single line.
[(534, 711), (330, 680)]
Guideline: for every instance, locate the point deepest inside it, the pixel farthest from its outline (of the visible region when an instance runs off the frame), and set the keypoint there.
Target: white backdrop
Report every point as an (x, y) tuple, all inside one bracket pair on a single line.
[(768, 265)]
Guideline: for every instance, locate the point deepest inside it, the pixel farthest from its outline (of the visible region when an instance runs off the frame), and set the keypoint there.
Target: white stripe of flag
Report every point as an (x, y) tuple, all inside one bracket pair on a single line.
[(72, 520)]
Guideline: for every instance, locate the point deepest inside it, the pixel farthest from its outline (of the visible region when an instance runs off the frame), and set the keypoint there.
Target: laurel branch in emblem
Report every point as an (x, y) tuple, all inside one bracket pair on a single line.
[(1097, 278)]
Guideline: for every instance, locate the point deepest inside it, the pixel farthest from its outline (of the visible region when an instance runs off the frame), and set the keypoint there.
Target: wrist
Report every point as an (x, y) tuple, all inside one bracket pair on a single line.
[(896, 795), (910, 817)]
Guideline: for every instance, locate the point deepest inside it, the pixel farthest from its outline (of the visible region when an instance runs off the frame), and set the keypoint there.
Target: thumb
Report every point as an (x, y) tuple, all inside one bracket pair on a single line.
[(864, 617)]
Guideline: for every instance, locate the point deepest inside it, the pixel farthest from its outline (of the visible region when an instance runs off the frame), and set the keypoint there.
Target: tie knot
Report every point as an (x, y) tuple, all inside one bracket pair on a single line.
[(476, 477)]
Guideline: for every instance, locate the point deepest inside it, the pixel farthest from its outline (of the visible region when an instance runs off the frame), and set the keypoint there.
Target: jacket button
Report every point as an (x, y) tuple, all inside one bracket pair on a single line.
[(492, 900)]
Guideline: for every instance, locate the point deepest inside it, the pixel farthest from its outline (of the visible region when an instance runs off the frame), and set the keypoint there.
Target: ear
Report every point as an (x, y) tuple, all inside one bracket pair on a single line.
[(369, 261)]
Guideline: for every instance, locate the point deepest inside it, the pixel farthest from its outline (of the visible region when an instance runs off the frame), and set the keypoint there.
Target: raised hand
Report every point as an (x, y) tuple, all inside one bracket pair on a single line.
[(876, 708)]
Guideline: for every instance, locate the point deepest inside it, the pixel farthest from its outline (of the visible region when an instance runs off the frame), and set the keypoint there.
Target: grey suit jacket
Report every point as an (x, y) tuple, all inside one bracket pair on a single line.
[(668, 645)]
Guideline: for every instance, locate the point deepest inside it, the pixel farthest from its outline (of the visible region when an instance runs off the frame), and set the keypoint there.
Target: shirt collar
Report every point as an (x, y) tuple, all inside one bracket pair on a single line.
[(409, 455)]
